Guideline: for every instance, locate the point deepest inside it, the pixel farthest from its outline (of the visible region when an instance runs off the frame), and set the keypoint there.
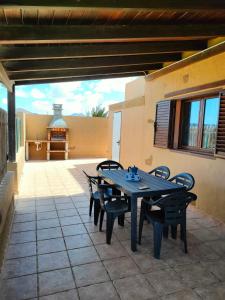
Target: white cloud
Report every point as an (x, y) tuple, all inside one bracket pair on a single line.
[(37, 94), (4, 101), (76, 97), (43, 107), (20, 92)]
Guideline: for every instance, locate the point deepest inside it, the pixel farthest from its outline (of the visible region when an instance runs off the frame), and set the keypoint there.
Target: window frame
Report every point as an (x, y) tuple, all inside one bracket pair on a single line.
[(179, 121)]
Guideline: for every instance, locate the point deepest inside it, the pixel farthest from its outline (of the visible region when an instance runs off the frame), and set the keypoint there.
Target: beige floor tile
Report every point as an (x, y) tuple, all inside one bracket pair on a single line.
[(83, 256), (55, 281), (68, 295), (111, 251), (121, 267), (74, 229), (195, 275), (21, 250), (20, 288), (165, 281), (52, 245), (101, 291), (186, 294), (20, 267), (90, 274), (135, 287), (49, 233), (53, 261), (78, 241)]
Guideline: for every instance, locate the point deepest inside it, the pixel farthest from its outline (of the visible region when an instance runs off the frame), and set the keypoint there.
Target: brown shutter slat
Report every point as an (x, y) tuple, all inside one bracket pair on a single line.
[(164, 122), (220, 141)]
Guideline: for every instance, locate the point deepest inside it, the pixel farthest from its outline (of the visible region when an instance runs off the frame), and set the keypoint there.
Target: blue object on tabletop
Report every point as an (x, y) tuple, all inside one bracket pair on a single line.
[(132, 174)]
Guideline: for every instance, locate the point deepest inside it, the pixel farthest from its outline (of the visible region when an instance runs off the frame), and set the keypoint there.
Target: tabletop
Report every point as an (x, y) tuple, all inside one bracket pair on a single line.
[(156, 185)]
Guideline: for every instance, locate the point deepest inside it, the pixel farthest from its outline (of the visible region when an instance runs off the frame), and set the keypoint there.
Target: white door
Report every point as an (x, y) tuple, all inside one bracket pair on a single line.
[(116, 136)]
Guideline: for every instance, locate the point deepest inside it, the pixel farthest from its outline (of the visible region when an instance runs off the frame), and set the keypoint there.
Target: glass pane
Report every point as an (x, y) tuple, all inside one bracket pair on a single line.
[(210, 123), (190, 123)]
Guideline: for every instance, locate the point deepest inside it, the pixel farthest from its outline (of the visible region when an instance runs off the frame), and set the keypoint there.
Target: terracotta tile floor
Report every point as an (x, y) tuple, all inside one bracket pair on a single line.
[(56, 253)]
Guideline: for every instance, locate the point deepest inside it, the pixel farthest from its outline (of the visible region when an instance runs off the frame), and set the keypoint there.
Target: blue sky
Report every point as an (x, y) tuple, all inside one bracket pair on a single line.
[(76, 97), (211, 111)]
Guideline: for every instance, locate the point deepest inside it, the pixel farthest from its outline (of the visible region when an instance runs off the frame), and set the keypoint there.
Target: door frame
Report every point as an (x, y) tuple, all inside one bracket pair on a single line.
[(119, 111)]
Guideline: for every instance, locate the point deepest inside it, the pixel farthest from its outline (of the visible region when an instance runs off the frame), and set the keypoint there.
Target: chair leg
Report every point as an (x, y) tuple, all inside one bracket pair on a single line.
[(91, 205), (184, 236), (121, 219), (97, 209), (165, 231), (109, 228), (129, 203), (141, 222), (158, 229), (101, 219), (174, 232)]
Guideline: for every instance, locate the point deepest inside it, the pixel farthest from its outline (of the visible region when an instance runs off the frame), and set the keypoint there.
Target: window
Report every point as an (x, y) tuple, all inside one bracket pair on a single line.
[(190, 119), (199, 124), (194, 125)]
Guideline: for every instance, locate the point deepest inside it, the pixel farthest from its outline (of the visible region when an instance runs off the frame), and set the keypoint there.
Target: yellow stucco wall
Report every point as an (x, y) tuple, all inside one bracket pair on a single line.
[(135, 89), (137, 135), (88, 137), (208, 172)]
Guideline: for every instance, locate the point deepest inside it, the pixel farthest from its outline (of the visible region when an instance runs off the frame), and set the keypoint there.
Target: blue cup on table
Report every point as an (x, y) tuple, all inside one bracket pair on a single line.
[(133, 171)]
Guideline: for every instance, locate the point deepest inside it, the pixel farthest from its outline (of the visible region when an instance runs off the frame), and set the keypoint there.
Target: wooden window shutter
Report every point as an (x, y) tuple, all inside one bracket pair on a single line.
[(220, 142), (164, 124)]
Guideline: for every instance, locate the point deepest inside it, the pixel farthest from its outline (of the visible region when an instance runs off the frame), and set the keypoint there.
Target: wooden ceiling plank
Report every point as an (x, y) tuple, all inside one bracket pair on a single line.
[(41, 34), (8, 53), (119, 4), (81, 72), (80, 78), (93, 62)]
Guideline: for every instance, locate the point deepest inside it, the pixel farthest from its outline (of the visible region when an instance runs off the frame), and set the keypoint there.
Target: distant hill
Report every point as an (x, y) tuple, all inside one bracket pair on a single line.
[(19, 109), (77, 115)]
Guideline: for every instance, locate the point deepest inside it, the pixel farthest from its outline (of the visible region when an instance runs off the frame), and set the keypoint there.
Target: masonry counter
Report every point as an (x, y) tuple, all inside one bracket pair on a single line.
[(48, 147)]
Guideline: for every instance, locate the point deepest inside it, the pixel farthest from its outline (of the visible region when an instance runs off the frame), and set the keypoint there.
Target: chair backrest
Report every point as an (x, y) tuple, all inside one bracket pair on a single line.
[(101, 191), (109, 165), (184, 179), (174, 206), (90, 181), (161, 171)]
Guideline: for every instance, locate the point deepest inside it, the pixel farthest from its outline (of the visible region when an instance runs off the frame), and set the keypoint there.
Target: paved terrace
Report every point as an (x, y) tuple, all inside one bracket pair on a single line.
[(56, 253)]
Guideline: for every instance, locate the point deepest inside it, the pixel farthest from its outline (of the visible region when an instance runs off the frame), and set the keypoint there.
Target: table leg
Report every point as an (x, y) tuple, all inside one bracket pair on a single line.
[(133, 201)]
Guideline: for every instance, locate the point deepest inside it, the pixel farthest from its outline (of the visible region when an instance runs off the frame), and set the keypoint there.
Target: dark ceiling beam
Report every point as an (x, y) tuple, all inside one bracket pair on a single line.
[(5, 79), (81, 72), (46, 34), (93, 62), (141, 4), (95, 50), (80, 78)]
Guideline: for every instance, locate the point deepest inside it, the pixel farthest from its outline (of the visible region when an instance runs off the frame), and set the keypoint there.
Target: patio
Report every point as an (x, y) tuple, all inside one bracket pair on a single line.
[(56, 252)]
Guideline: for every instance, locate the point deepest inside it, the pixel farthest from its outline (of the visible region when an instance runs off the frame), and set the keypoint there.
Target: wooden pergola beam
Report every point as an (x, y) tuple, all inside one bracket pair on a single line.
[(8, 53), (93, 62), (128, 4), (5, 79), (81, 72), (81, 78), (42, 34)]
